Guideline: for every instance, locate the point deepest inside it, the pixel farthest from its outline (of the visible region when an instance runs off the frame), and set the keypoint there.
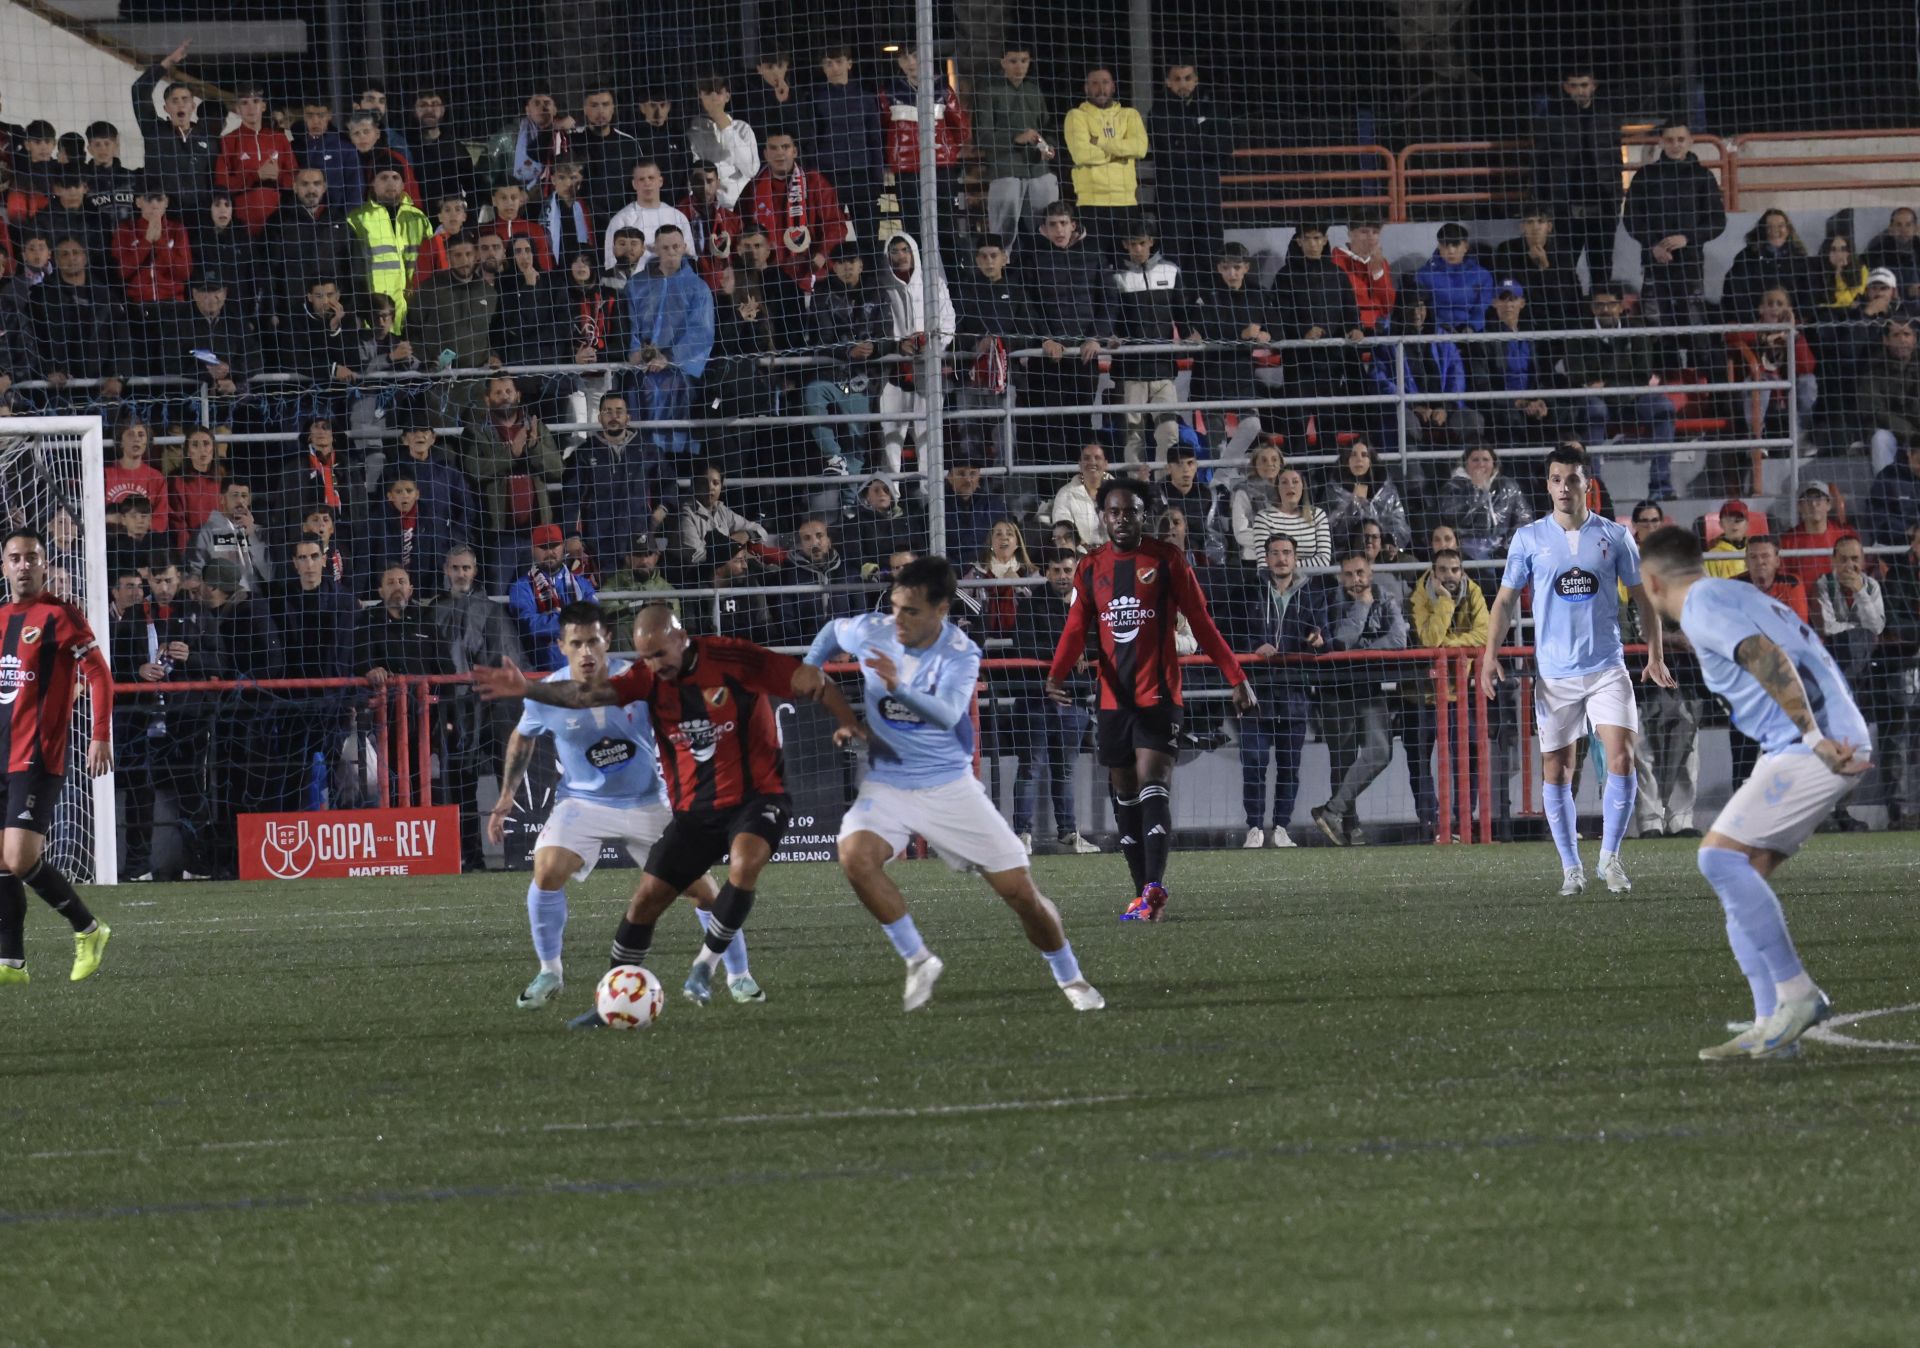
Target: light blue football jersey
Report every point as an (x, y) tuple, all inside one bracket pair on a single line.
[(923, 730), (607, 754), (1718, 616), (1576, 607)]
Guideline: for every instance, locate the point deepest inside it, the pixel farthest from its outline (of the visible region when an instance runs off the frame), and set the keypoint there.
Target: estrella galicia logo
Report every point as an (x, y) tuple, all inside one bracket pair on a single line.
[(1577, 586), (896, 712), (611, 753)]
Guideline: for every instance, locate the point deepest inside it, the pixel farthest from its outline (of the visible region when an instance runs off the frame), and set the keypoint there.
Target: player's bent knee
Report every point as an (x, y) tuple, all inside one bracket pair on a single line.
[(864, 854)]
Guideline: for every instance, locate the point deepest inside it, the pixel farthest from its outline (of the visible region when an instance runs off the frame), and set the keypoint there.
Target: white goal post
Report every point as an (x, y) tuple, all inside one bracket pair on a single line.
[(47, 463)]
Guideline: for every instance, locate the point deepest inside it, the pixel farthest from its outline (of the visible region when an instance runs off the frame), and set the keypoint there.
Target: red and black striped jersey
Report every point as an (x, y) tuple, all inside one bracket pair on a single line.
[(44, 644), (1131, 602), (715, 724)]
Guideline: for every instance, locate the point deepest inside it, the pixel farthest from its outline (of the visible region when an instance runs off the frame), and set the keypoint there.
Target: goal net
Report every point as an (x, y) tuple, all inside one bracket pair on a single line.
[(52, 479)]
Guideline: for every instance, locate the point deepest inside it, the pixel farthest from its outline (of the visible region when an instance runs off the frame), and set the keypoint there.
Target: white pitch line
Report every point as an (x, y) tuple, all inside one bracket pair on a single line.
[(798, 1118), (1829, 1032)]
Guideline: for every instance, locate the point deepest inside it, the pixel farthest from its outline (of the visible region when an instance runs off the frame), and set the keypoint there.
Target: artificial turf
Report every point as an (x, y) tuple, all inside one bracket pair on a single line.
[(1372, 1098)]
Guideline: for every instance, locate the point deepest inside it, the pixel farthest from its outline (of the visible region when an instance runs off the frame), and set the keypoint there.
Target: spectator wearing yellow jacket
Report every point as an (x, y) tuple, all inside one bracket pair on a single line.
[(387, 233), (1449, 612), (1106, 142)]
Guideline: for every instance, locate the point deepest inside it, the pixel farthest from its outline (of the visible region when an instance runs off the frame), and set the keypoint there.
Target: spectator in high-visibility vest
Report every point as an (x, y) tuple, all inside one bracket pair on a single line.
[(387, 233)]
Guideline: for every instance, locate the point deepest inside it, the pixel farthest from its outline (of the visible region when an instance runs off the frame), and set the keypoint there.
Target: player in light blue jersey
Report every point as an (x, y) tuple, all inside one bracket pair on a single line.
[(919, 672), (1577, 562), (1787, 694), (610, 792)]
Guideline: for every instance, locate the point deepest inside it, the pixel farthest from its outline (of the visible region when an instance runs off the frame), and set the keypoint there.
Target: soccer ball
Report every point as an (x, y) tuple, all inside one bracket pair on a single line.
[(629, 998)]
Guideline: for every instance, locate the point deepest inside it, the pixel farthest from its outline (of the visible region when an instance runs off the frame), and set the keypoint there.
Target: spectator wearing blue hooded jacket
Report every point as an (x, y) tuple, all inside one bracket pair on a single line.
[(1459, 291), (671, 322)]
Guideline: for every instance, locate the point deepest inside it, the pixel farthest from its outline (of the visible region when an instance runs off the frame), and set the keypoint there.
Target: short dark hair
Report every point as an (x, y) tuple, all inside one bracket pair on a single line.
[(1181, 451), (1647, 505), (102, 130), (668, 229), (396, 477), (26, 531), (1288, 539), (1064, 208), (1763, 540), (715, 83), (1454, 553), (989, 241), (1112, 485), (1059, 555), (932, 576), (1673, 549), (584, 613), (1571, 454), (136, 501)]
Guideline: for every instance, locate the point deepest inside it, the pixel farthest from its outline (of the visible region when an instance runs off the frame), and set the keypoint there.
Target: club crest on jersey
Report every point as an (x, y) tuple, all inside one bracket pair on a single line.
[(1124, 616), (29, 635), (717, 697), (1147, 573)]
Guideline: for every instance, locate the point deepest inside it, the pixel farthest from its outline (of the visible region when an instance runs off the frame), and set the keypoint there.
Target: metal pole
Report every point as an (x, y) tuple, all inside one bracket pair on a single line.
[(1140, 56), (928, 437), (337, 44), (1793, 430), (1400, 406), (373, 16)]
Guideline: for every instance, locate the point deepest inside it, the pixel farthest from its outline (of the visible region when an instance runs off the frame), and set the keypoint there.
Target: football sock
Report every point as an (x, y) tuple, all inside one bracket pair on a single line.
[(58, 891), (13, 918), (1126, 818), (727, 916), (736, 951), (631, 942), (906, 938), (1156, 819), (1754, 968), (547, 916), (1561, 820), (1616, 809), (1797, 986), (1751, 902), (1065, 967)]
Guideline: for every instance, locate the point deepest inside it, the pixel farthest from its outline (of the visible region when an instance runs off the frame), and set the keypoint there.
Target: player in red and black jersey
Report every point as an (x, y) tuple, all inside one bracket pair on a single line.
[(45, 644), (1128, 597), (713, 702)]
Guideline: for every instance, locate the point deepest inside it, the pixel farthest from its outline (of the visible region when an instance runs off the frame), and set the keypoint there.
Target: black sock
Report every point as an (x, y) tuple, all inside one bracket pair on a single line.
[(727, 916), (13, 917), (631, 943), (1156, 822), (59, 893), (1126, 817)]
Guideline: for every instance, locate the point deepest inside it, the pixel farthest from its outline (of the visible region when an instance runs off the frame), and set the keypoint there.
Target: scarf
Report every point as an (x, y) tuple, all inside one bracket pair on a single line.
[(1007, 570), (409, 528), (551, 594), (797, 238), (324, 471)]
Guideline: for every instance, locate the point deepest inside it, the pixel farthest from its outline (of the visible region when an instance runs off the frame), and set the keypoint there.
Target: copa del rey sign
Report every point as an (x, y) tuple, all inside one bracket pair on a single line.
[(342, 844)]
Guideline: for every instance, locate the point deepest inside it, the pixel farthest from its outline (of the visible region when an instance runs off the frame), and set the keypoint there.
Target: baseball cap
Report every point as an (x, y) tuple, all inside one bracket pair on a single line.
[(547, 533), (643, 544), (1509, 289), (1815, 488), (221, 574), (1735, 508), (1883, 276)]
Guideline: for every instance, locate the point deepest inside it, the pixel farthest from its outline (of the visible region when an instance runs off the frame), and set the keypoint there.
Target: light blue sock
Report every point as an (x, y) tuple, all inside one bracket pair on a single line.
[(1066, 968), (547, 916), (1616, 810), (1752, 905), (1765, 997), (905, 937), (1562, 821), (735, 955)]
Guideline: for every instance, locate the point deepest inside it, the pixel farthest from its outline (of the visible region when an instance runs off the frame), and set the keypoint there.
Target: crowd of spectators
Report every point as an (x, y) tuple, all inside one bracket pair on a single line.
[(630, 282)]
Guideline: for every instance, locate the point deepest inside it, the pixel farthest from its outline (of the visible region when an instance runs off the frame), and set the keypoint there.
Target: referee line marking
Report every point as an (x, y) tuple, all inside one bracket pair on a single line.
[(1829, 1032)]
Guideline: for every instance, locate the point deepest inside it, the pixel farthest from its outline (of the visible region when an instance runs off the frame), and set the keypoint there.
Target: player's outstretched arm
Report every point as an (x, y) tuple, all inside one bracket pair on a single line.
[(1656, 670), (1770, 665), (512, 774), (495, 684), (1491, 671)]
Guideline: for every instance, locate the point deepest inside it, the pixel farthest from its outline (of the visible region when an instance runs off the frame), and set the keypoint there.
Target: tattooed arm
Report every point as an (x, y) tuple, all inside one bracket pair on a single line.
[(1775, 672), (519, 758)]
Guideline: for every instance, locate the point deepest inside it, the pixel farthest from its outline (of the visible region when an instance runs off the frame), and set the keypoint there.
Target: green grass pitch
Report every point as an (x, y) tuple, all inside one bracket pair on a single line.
[(1375, 1098)]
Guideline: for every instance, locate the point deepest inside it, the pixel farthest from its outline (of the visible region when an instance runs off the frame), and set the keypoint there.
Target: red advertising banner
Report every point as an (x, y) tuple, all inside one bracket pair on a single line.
[(340, 844)]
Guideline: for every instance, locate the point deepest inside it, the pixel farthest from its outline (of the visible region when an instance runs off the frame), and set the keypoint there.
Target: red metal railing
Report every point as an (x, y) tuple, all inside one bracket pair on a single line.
[(1371, 165), (1750, 156)]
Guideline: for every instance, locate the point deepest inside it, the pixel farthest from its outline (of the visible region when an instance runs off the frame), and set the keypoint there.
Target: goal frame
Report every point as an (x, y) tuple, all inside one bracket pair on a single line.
[(93, 541)]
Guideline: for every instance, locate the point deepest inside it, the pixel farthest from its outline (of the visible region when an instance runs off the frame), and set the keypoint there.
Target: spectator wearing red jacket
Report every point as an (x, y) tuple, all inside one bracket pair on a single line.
[(193, 489), (714, 228), (433, 249), (154, 262), (256, 163), (509, 199), (800, 212), (131, 475), (1814, 531), (1367, 271), (952, 135)]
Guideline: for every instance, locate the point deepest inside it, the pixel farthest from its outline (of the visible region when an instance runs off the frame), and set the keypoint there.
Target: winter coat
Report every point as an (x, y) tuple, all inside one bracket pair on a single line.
[(733, 152), (970, 521), (842, 132), (802, 615), (308, 345), (876, 535), (908, 301), (492, 465), (153, 273), (844, 317), (381, 543), (1075, 504), (1312, 294), (1553, 294), (454, 315), (1894, 505), (1576, 155), (984, 308), (530, 322), (1192, 145), (900, 115), (1006, 111), (820, 216), (303, 246), (1067, 292), (609, 492), (1148, 307), (1890, 395), (333, 154), (1760, 268), (183, 164), (80, 329), (1676, 196), (1346, 511), (1105, 144), (1457, 294), (444, 489), (1372, 282), (1217, 313), (1484, 517)]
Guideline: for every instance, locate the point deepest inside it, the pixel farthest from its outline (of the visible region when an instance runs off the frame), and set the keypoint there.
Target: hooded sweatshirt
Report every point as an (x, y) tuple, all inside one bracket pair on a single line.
[(907, 297)]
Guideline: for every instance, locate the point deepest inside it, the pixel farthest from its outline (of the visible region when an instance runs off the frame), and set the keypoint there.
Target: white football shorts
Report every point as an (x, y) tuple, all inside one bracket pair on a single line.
[(581, 826), (1565, 709), (957, 818), (1779, 807)]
